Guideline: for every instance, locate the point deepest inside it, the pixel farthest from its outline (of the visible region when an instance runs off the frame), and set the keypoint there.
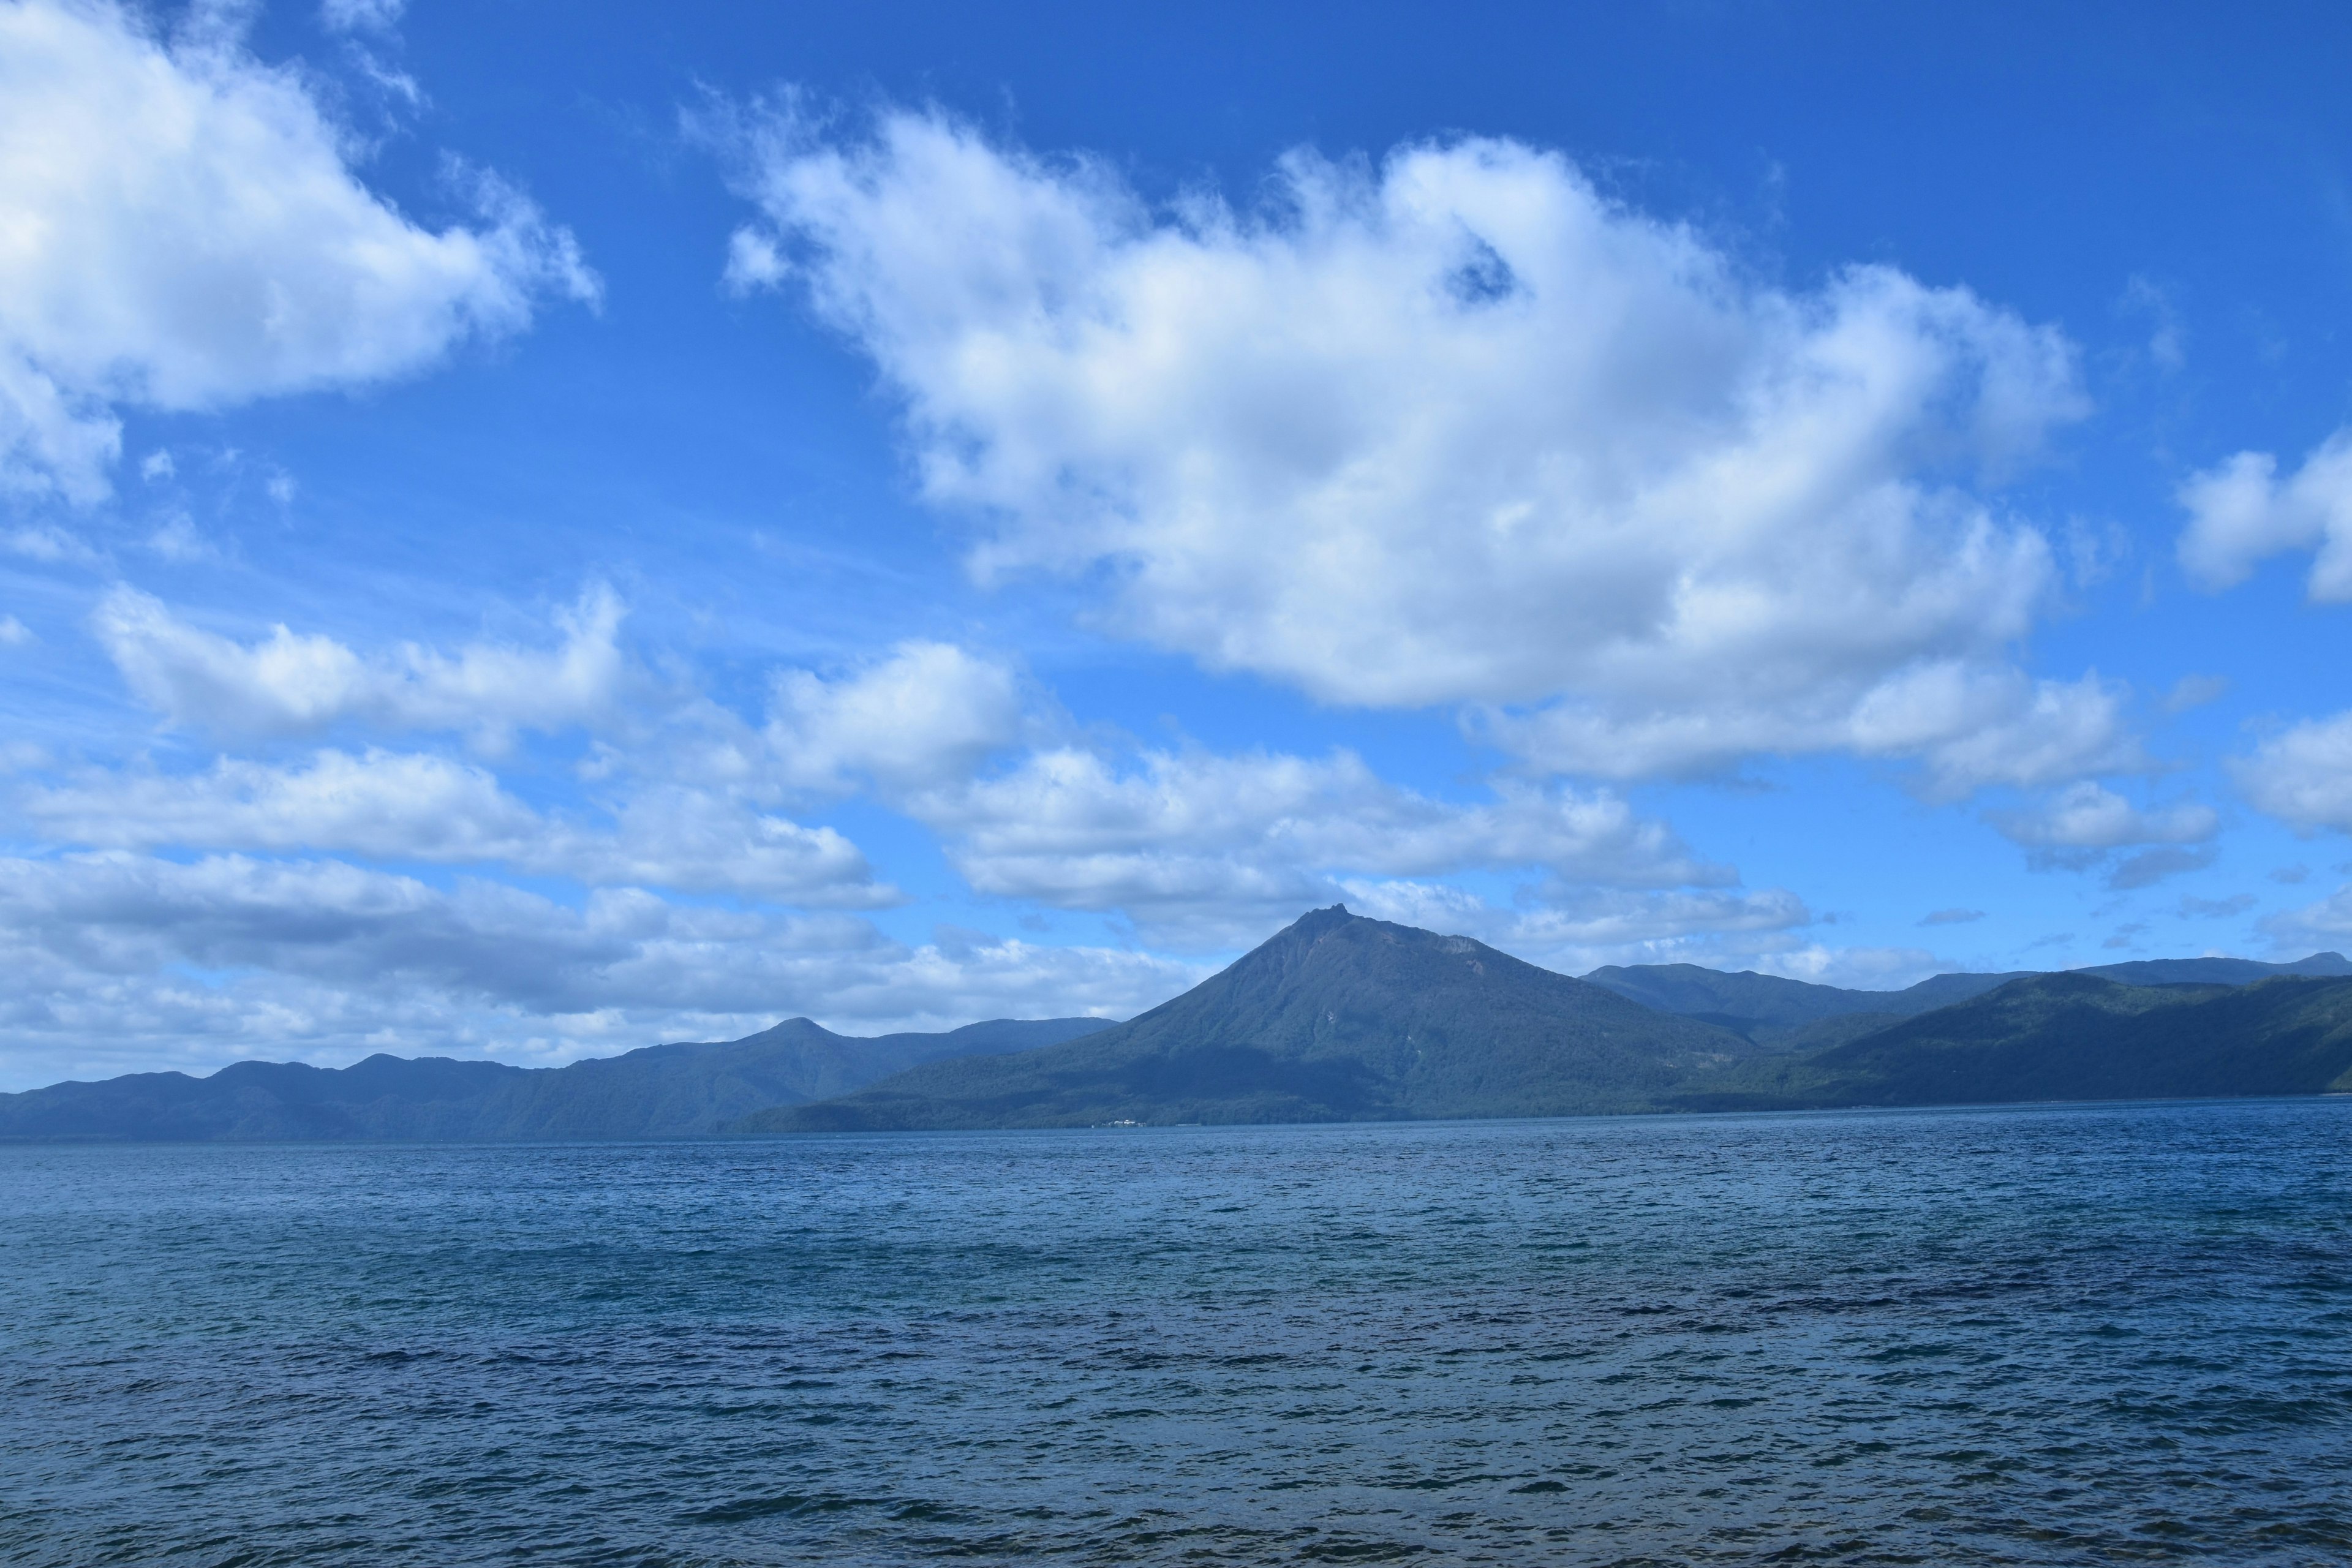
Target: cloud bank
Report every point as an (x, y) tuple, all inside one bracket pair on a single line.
[(290, 683), (1457, 428), (121, 961)]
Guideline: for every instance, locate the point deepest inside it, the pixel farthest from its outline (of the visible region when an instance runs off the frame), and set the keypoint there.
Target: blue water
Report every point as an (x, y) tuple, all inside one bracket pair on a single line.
[(2080, 1335)]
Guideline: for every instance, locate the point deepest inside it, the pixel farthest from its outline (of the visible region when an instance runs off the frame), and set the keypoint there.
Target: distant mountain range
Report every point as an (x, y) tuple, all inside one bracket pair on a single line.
[(660, 1091), (1794, 1013), (2074, 1035), (1343, 1018), (1335, 1018)]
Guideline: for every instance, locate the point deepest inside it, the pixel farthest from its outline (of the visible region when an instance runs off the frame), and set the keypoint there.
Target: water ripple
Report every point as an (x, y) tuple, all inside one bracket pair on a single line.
[(2051, 1336)]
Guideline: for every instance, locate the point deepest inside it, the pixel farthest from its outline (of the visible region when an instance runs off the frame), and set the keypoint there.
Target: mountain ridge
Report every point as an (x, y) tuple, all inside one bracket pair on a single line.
[(1772, 1008), (2072, 1036), (684, 1089)]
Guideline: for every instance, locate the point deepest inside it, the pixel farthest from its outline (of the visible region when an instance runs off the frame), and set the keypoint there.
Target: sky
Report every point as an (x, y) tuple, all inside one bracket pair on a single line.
[(527, 529)]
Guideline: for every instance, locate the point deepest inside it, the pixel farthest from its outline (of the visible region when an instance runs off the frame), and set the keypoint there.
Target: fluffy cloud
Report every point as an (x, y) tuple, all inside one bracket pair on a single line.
[(2240, 511), (2086, 823), (2088, 817), (184, 231), (924, 713), (1197, 847), (381, 804), (1459, 430), (429, 809), (2304, 775), (118, 960), (290, 683), (1965, 725)]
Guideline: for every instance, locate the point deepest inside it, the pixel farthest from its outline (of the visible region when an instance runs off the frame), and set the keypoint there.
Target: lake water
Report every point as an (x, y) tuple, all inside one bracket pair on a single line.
[(2057, 1335)]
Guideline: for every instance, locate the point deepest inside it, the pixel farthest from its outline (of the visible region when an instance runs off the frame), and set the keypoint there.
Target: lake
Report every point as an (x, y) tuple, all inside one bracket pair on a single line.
[(2047, 1335)]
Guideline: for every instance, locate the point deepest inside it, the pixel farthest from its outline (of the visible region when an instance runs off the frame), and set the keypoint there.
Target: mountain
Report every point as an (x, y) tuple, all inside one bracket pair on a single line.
[(1770, 1010), (1338, 1018), (2216, 971), (2072, 1036), (1795, 1015), (659, 1091)]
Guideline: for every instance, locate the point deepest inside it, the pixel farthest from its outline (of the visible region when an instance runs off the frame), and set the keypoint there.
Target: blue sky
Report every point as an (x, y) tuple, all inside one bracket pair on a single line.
[(529, 530)]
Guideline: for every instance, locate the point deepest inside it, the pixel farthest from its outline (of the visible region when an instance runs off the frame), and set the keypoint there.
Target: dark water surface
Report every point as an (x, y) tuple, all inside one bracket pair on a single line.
[(2079, 1335)]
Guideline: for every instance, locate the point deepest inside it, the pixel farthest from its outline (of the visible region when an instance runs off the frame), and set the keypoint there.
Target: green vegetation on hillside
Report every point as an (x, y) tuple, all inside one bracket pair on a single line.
[(1796, 1015), (2071, 1036), (1790, 1014)]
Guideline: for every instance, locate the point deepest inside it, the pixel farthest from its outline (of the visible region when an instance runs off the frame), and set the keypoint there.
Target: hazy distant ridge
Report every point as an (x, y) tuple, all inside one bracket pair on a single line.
[(659, 1091), (1769, 1008)]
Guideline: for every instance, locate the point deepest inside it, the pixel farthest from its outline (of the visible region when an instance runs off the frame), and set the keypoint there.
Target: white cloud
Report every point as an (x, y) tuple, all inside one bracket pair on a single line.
[(924, 713), (700, 842), (2240, 511), (2302, 776), (121, 960), (1459, 430), (2087, 817), (185, 233), (381, 804), (428, 809), (1197, 847), (1965, 725), (292, 682), (14, 633), (2084, 825)]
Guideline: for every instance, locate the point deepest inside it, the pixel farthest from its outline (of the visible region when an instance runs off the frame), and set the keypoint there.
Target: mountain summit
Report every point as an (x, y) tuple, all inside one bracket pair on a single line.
[(1337, 1017)]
